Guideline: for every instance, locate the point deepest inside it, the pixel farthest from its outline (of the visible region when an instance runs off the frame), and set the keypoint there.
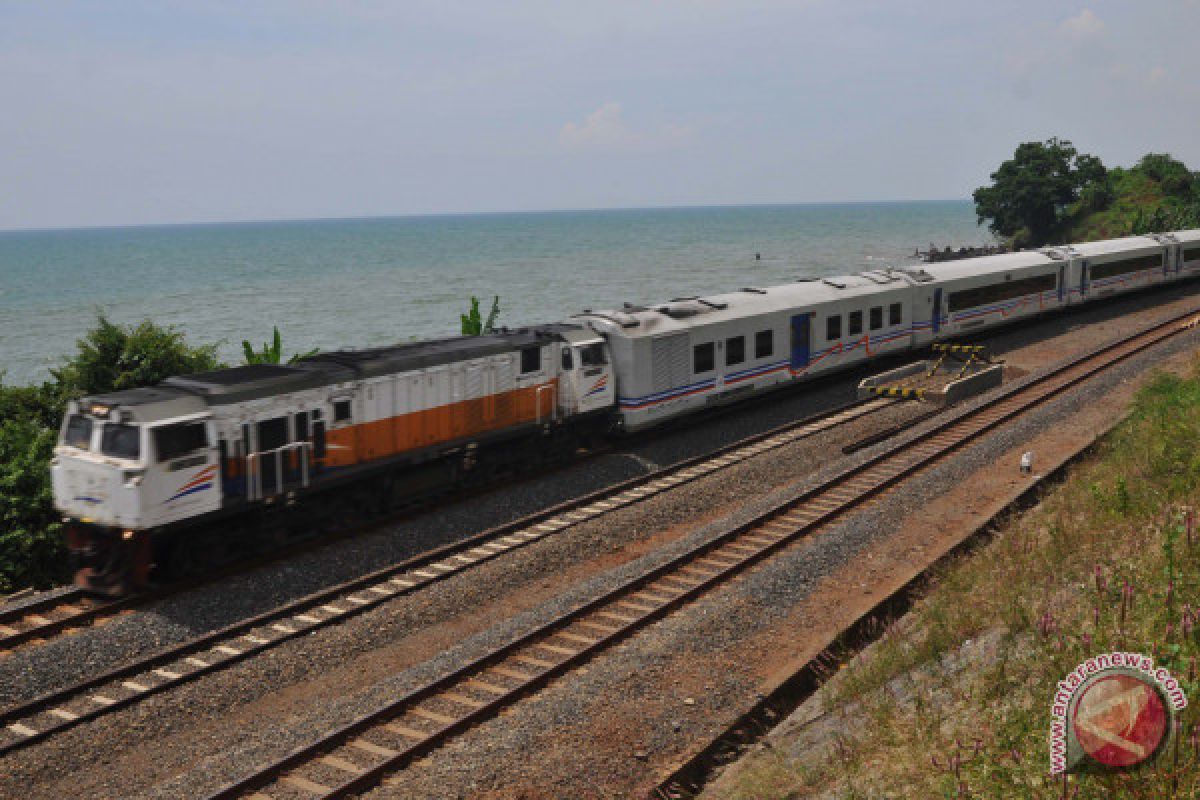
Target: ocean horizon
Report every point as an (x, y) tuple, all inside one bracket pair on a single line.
[(369, 281)]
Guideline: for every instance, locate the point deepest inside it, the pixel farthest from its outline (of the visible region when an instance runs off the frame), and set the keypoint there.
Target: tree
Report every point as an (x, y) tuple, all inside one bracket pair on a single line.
[(473, 323), (1173, 176), (271, 353), (1030, 193), (112, 357), (31, 547)]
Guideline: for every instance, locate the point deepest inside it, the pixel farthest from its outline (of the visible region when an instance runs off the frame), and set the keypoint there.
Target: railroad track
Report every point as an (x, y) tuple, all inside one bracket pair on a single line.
[(62, 709), (360, 754), (48, 617), (44, 619)]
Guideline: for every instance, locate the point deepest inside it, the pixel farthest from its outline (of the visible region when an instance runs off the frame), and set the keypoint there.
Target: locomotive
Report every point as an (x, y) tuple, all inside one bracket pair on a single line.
[(170, 477)]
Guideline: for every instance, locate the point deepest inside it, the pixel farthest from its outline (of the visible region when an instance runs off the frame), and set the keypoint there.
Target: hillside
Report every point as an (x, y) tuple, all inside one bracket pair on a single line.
[(1159, 193)]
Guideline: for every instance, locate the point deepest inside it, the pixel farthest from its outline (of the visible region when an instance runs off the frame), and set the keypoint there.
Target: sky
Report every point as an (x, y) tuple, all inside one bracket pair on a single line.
[(122, 112)]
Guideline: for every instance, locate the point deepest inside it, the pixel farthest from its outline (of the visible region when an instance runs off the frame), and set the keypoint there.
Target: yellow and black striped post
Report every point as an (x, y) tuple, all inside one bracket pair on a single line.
[(897, 391)]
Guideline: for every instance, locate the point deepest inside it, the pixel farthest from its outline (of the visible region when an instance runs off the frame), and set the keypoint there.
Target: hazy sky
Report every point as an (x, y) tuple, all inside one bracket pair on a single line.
[(138, 112)]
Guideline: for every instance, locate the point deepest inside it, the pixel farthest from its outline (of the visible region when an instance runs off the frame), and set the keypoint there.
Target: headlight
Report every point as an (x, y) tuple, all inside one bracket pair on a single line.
[(133, 480)]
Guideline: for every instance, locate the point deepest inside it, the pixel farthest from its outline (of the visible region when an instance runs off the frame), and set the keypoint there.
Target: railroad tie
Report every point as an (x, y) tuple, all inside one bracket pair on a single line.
[(516, 675), (432, 716), (562, 651), (462, 699), (541, 663), (405, 731), (372, 748), (342, 764), (484, 686), (574, 637)]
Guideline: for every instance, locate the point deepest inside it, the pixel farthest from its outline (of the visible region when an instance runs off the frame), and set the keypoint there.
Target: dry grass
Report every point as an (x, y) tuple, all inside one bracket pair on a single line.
[(1105, 562)]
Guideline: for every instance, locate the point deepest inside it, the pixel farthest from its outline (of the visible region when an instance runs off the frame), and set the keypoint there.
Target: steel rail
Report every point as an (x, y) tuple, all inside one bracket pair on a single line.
[(47, 617), (59, 710), (424, 718)]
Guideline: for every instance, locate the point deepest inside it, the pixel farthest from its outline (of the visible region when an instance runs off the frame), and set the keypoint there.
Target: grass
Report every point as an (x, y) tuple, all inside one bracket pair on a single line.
[(1106, 562)]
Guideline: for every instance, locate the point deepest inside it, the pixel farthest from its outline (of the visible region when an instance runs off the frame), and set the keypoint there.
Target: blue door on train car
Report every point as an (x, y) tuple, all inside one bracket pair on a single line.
[(801, 340), (937, 311)]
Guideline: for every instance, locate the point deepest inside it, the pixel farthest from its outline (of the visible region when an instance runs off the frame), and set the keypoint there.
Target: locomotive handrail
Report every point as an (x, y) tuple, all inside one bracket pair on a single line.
[(255, 484)]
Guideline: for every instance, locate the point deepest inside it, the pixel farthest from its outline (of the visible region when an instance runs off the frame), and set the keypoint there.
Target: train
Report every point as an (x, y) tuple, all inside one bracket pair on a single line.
[(173, 478)]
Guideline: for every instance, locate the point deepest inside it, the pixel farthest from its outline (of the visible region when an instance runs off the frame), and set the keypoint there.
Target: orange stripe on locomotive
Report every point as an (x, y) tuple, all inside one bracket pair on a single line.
[(367, 441)]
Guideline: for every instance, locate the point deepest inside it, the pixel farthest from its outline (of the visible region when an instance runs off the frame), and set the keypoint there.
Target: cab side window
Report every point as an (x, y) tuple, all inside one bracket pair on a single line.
[(592, 355), (173, 441), (531, 360)]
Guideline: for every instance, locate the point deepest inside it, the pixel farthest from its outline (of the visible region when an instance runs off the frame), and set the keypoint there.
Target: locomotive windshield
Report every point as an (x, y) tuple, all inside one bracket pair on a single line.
[(121, 441), (78, 432)]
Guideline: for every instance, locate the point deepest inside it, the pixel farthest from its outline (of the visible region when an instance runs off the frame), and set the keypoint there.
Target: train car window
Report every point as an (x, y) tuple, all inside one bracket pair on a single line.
[(876, 317), (341, 411), (735, 350), (272, 434), (592, 355), (833, 327), (121, 441), (300, 421), (703, 358), (764, 344), (531, 360), (1114, 268), (79, 432), (173, 441), (566, 359), (1190, 253), (854, 323), (999, 292), (895, 313)]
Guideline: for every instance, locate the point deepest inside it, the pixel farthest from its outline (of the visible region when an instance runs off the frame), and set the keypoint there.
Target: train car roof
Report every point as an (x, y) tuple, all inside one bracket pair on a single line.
[(685, 313), (986, 265), (435, 352), (1187, 236), (1114, 246), (253, 381), (147, 404)]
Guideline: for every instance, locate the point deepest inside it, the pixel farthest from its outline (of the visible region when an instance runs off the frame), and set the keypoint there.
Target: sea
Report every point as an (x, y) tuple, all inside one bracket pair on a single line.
[(348, 283)]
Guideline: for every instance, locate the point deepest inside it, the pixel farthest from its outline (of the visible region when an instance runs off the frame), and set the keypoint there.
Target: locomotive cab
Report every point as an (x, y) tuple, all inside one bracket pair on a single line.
[(126, 464), (586, 373)]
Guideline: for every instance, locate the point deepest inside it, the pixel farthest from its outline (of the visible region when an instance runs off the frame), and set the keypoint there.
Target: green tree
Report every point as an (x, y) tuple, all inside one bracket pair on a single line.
[(1031, 192), (112, 357), (1173, 177), (272, 352), (31, 547), (473, 323)]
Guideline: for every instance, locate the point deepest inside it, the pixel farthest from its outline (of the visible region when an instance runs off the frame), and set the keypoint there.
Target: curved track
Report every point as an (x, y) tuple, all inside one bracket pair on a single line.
[(118, 688), (359, 755)]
